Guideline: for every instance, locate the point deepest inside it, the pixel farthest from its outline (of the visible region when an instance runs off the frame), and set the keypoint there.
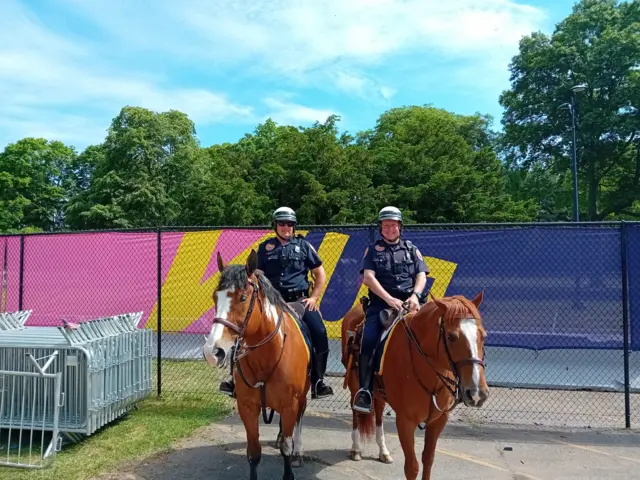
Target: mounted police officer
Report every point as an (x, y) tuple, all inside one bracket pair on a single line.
[(286, 261), (395, 273)]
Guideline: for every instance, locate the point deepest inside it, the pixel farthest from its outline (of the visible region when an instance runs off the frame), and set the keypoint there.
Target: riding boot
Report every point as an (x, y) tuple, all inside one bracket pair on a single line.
[(320, 389), (362, 402), (228, 387)]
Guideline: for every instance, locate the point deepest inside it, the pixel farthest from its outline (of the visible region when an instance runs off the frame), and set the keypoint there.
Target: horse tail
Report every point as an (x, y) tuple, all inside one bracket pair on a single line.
[(366, 424)]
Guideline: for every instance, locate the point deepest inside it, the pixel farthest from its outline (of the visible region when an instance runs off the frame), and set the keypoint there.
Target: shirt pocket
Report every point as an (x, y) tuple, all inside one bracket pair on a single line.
[(382, 262), (296, 260)]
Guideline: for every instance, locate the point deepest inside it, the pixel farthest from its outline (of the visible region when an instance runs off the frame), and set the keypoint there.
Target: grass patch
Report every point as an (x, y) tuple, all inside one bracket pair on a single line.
[(191, 402)]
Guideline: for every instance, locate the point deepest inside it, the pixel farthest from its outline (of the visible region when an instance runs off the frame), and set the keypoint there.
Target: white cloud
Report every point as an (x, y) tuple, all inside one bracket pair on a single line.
[(286, 112), (356, 47), (320, 41), (44, 76)]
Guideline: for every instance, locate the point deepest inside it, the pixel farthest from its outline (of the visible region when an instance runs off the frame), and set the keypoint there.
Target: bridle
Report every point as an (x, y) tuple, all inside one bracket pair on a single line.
[(240, 348), (244, 349), (453, 385)]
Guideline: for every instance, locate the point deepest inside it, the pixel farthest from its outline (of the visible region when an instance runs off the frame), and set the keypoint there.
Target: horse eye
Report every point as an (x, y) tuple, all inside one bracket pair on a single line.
[(451, 337), (243, 298)]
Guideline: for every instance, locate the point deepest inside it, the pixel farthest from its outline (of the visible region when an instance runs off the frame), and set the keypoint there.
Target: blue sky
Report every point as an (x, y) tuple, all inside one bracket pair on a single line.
[(67, 67)]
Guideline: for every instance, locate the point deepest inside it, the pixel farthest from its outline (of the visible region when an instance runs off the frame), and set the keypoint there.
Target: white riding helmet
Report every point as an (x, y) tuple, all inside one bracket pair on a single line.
[(389, 213), (284, 214)]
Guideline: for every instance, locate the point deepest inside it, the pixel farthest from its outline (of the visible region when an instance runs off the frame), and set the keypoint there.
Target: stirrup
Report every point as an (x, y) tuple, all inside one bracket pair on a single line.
[(231, 393), (358, 396), (314, 389)]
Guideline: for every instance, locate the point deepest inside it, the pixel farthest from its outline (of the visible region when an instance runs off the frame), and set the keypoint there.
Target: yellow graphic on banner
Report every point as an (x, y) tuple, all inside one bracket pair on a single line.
[(442, 272), (185, 298)]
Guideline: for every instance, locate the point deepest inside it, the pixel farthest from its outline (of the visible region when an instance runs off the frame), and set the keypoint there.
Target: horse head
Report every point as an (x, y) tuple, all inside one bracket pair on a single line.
[(463, 336), (235, 299)]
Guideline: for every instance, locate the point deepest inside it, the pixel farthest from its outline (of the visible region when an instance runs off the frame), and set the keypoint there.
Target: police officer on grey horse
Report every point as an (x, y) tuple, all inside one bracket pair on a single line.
[(395, 273), (286, 261)]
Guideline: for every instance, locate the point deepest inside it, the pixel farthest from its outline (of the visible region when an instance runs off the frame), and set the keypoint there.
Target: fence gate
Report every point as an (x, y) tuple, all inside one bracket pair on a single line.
[(29, 415)]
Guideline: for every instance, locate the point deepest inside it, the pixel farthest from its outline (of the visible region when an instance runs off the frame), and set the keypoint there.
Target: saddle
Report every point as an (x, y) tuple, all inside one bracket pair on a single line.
[(386, 317), (298, 308)]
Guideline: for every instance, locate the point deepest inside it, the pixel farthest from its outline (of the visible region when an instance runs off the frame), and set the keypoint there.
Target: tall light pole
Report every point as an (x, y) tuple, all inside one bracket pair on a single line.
[(574, 164)]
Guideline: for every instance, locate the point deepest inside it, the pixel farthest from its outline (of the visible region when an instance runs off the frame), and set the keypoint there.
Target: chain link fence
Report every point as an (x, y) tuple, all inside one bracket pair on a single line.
[(561, 304)]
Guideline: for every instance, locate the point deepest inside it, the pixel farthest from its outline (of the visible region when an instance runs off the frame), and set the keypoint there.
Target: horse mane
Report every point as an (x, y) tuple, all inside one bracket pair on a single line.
[(457, 307), (235, 276)]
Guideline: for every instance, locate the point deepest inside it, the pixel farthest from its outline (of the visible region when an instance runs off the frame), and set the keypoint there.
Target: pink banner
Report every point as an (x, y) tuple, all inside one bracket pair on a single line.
[(85, 276), (10, 270)]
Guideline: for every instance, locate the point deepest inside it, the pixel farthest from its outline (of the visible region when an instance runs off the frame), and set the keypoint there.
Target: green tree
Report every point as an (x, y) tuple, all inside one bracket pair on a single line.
[(439, 167), (140, 175), (598, 45), (35, 184)]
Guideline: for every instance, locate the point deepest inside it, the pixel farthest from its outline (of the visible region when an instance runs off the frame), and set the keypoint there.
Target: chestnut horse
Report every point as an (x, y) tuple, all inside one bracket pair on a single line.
[(431, 364), (255, 329)]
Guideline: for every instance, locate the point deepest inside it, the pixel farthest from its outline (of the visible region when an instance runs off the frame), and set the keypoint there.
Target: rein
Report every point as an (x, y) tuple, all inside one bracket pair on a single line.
[(452, 385), (241, 349)]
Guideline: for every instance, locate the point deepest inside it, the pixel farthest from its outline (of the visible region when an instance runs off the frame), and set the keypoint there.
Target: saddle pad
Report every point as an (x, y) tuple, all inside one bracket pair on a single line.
[(306, 335), (381, 349)]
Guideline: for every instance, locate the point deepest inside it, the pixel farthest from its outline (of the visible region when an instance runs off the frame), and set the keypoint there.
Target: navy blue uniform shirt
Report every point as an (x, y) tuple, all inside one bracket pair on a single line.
[(287, 266), (394, 268)]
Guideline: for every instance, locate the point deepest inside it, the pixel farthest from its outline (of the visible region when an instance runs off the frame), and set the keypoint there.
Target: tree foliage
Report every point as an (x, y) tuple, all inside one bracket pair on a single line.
[(597, 45), (434, 165)]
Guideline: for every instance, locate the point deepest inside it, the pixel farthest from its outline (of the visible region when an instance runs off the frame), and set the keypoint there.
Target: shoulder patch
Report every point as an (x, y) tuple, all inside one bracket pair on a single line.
[(269, 246), (380, 248)]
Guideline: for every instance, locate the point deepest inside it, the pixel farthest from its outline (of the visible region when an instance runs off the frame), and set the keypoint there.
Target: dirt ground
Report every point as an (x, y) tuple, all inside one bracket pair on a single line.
[(465, 451), (525, 407)]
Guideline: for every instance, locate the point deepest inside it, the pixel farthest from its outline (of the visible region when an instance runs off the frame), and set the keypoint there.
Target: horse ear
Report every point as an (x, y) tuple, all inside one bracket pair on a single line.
[(478, 298), (221, 265), (439, 303), (252, 263)]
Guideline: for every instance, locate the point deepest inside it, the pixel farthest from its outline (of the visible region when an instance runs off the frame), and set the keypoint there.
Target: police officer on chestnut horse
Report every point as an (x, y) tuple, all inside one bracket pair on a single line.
[(395, 273), (286, 261)]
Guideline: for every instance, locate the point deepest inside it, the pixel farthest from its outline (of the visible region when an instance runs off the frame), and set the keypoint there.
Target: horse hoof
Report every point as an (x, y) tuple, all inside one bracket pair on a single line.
[(355, 456), (296, 461), (278, 444), (385, 458)]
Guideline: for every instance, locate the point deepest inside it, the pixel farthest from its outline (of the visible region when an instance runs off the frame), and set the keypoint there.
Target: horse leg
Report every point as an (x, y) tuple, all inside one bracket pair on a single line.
[(296, 461), (406, 431), (278, 444), (249, 416), (431, 434), (289, 417), (384, 455), (356, 449)]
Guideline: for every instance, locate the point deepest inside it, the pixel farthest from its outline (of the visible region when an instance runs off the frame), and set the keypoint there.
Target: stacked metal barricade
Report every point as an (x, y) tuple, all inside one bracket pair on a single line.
[(103, 367)]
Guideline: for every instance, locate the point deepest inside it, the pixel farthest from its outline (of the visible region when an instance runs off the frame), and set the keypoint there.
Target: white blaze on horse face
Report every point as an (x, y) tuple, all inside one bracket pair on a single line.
[(214, 340), (470, 331)]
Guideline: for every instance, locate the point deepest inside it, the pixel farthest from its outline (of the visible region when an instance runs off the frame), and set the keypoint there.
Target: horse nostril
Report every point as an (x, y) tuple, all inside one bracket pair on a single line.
[(468, 394), (220, 355)]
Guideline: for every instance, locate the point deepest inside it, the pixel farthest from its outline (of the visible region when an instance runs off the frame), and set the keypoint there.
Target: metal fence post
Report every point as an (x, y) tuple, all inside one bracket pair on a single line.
[(20, 286), (625, 322), (159, 311)]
